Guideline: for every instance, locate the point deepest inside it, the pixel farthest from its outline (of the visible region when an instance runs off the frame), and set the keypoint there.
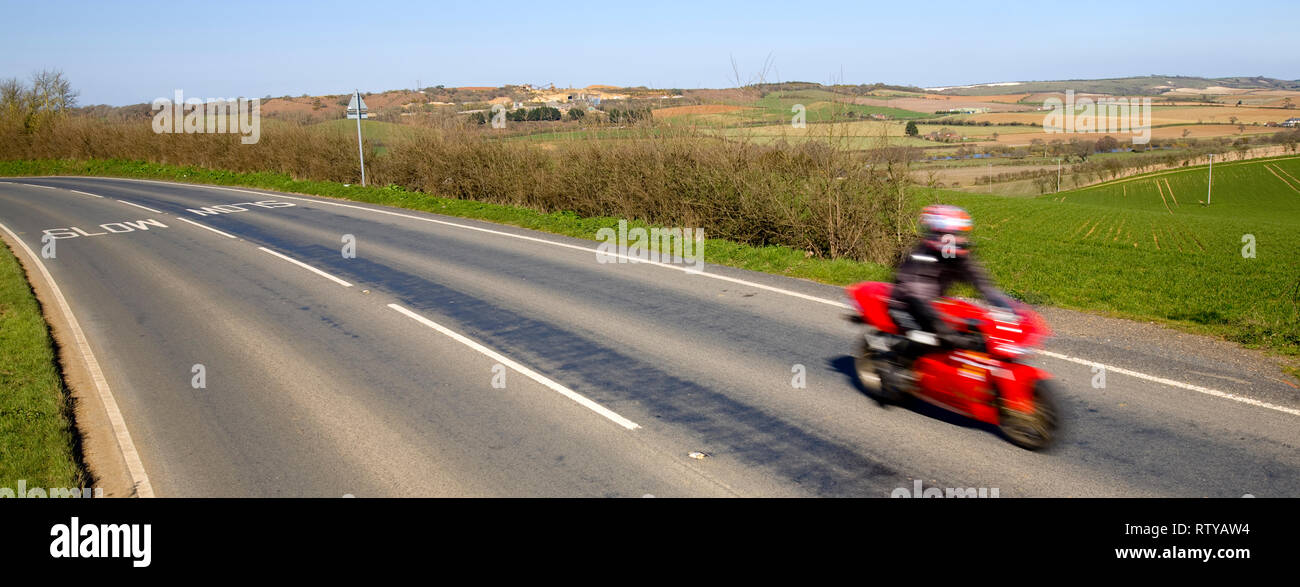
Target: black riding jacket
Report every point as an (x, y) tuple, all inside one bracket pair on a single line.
[(925, 276)]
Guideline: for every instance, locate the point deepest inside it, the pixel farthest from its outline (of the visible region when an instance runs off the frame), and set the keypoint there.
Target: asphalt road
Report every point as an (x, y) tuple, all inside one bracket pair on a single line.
[(613, 374)]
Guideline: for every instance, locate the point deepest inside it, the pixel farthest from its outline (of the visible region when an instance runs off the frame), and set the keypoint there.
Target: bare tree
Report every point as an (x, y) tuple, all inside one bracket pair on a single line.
[(37, 106), (52, 92), (13, 98)]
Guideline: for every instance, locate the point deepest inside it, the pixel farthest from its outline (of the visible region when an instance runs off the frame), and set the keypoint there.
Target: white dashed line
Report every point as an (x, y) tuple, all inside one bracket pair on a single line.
[(307, 267), (143, 207), (206, 227), (53, 188), (525, 371)]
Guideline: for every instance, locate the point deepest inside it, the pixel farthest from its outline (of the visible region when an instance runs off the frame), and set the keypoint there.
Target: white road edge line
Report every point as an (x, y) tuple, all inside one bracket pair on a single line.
[(227, 235), (1120, 370), (525, 371), (139, 206), (307, 267), (135, 467), (1172, 383)]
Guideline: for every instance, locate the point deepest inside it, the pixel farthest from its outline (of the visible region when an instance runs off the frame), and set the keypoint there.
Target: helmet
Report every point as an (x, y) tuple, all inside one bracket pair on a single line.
[(946, 229)]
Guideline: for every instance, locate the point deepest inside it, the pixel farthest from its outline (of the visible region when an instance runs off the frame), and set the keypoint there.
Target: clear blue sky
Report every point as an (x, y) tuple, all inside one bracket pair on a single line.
[(129, 52)]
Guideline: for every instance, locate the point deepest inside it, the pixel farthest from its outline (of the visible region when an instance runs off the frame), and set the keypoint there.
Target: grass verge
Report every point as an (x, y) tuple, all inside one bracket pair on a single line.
[(38, 444)]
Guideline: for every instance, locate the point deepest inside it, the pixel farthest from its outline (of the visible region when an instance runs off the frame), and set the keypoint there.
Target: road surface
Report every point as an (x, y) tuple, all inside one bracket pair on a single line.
[(249, 356)]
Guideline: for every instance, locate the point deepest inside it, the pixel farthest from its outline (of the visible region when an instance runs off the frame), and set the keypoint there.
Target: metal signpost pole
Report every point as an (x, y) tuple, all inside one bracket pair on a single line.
[(360, 152)]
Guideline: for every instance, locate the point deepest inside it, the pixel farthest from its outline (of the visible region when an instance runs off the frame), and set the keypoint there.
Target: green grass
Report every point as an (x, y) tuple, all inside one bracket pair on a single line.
[(37, 442), (1092, 249)]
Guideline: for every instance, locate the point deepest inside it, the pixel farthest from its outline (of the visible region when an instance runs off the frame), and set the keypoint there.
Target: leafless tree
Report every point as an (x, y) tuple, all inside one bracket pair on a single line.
[(34, 107)]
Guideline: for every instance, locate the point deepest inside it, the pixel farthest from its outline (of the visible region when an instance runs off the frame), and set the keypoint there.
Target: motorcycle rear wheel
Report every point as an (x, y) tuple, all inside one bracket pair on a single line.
[(868, 368)]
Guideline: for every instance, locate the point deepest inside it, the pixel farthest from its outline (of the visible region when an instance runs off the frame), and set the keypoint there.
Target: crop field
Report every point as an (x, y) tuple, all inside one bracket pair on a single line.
[(1025, 135), (855, 135), (1163, 115), (929, 104), (1146, 247), (820, 105), (676, 111)]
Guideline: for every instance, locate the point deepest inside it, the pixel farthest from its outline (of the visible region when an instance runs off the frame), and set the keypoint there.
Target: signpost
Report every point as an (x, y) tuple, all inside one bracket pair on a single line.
[(357, 109)]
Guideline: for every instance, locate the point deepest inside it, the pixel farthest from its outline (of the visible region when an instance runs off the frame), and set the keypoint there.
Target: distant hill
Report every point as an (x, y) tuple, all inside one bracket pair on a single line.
[(1152, 85)]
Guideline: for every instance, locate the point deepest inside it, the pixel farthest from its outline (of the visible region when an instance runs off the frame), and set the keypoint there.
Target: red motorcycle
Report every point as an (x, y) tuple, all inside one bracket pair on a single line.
[(994, 386)]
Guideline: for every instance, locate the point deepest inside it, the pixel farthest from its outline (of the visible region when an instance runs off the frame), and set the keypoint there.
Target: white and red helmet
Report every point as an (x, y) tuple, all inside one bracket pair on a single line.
[(947, 229)]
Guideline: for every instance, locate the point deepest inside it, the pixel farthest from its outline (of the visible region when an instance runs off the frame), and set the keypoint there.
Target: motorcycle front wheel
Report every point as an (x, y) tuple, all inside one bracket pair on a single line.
[(1036, 430)]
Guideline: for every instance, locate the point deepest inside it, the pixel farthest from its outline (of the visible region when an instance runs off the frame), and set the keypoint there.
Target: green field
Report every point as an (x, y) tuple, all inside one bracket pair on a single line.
[(1121, 248), (822, 106), (37, 443)]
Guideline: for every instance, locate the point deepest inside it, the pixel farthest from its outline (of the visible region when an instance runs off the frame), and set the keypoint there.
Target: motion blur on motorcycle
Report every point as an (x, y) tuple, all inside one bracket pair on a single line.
[(960, 356)]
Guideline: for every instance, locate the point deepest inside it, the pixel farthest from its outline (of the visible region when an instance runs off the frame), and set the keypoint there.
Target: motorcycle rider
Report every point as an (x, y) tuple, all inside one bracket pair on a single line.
[(942, 258)]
